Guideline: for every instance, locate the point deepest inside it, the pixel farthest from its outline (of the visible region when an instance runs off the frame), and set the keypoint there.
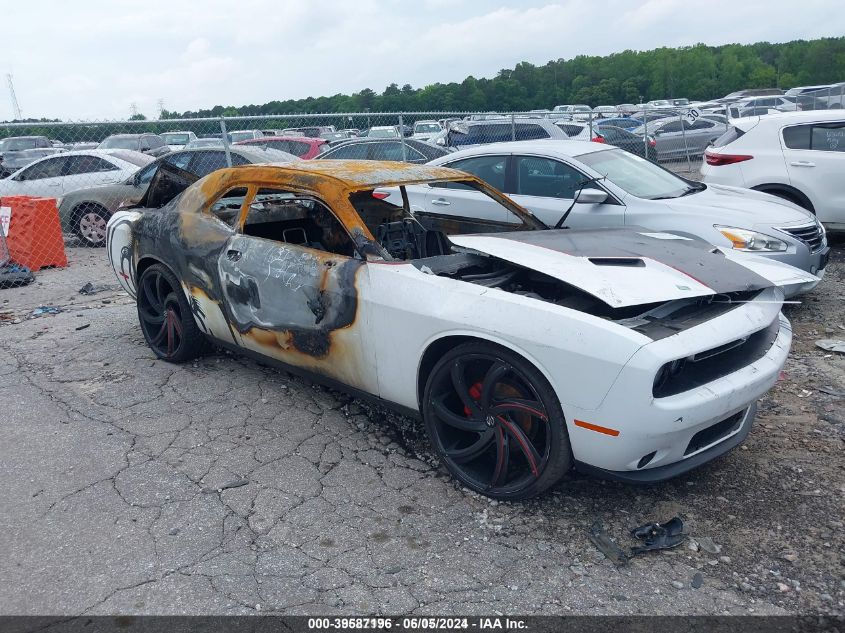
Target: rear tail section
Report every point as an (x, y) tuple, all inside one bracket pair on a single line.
[(119, 248)]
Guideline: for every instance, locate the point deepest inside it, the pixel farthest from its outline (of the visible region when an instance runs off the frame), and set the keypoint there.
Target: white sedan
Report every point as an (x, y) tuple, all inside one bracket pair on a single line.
[(615, 188), (55, 176)]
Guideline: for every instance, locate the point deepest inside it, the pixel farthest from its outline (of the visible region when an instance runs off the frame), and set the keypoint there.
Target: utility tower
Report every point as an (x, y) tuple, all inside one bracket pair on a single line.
[(16, 108)]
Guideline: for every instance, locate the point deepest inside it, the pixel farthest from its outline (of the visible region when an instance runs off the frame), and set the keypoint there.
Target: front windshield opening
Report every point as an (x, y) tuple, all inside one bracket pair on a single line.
[(426, 127), (175, 139), (636, 175), (16, 144), (404, 234), (120, 142)]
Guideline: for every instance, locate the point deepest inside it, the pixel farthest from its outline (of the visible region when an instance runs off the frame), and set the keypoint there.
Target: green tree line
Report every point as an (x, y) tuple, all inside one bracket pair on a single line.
[(697, 72)]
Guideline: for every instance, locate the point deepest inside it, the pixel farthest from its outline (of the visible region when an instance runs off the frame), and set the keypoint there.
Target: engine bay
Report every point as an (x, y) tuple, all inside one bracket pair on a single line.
[(656, 320)]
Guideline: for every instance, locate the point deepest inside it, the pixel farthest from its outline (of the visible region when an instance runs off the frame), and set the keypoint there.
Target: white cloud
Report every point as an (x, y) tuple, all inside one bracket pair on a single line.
[(92, 59)]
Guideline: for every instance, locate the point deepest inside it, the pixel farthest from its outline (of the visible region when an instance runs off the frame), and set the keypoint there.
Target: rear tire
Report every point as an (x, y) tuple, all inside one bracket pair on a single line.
[(495, 422), (166, 318)]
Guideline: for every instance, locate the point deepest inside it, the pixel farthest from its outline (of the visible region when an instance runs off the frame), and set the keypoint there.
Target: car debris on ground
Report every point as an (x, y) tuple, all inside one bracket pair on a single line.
[(655, 536), (832, 345)]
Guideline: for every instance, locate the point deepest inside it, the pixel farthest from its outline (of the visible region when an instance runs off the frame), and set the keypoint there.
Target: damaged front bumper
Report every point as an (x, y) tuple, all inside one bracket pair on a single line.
[(655, 436), (669, 471)]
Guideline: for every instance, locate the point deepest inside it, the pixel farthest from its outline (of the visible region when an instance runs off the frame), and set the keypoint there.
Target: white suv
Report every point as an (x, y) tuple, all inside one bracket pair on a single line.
[(799, 156)]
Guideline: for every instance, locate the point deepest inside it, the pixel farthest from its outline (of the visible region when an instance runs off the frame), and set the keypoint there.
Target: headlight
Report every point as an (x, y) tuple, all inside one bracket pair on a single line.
[(752, 241)]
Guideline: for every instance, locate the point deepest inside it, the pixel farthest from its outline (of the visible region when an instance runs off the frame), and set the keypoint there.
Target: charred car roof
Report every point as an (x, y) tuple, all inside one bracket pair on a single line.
[(354, 175), (333, 181)]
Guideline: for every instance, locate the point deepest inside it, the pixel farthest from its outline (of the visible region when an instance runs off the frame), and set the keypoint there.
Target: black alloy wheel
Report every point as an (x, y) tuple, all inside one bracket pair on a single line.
[(166, 319), (495, 422)]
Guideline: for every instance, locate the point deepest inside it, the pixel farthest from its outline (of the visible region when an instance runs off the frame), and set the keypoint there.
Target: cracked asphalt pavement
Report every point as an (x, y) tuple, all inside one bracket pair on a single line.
[(222, 486)]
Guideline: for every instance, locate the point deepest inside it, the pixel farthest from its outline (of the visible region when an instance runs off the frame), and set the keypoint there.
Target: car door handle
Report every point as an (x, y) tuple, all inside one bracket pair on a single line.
[(802, 163), (440, 202), (233, 255)]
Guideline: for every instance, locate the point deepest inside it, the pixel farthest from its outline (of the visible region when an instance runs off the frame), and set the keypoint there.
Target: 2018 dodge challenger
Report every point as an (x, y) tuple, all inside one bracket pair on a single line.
[(526, 351)]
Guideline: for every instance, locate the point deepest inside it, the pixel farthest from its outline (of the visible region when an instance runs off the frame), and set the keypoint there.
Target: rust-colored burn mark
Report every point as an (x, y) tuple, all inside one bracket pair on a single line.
[(333, 354), (298, 305)]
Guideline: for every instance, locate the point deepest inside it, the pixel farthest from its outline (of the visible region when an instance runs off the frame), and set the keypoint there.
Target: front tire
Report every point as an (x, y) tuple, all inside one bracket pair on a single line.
[(495, 422), (166, 318)]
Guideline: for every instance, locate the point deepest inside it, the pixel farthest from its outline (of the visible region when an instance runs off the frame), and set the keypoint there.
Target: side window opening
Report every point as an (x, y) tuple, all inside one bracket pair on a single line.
[(86, 165), (490, 169), (50, 168), (544, 177), (227, 207), (288, 217), (828, 137), (797, 136)]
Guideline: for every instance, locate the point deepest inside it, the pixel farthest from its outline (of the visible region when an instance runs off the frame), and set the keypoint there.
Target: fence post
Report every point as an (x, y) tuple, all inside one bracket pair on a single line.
[(513, 127), (402, 138), (225, 140), (684, 135), (591, 125), (645, 132)]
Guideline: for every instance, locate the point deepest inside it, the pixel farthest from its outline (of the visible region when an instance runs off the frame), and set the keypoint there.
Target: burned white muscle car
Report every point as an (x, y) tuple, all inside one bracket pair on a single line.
[(526, 351)]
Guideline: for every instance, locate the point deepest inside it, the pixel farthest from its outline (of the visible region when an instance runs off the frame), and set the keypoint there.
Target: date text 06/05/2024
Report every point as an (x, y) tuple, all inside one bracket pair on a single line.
[(417, 623)]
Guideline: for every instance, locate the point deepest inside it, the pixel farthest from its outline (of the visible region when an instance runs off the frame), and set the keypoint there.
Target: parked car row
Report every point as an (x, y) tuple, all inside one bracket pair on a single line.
[(89, 186), (19, 151), (803, 151)]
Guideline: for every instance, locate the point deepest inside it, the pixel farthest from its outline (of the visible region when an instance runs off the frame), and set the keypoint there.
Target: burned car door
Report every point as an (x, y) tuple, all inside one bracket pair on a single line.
[(292, 285), (187, 237)]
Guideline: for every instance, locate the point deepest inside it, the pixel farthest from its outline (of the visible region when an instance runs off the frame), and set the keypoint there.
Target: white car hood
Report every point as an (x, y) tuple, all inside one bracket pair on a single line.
[(735, 206), (633, 267)]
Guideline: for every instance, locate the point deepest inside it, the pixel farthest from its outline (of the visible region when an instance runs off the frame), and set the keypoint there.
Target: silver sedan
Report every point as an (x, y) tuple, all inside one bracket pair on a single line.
[(607, 187), (676, 137)]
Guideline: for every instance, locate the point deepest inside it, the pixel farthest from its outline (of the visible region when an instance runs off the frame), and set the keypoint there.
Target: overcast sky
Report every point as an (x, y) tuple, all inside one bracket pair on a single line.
[(93, 58)]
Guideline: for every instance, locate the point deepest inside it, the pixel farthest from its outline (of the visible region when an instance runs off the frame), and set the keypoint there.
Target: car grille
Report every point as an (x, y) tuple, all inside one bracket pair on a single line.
[(810, 234), (697, 370), (716, 432)]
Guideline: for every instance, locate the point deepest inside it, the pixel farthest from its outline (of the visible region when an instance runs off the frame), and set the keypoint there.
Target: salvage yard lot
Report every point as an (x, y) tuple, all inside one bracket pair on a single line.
[(223, 486)]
